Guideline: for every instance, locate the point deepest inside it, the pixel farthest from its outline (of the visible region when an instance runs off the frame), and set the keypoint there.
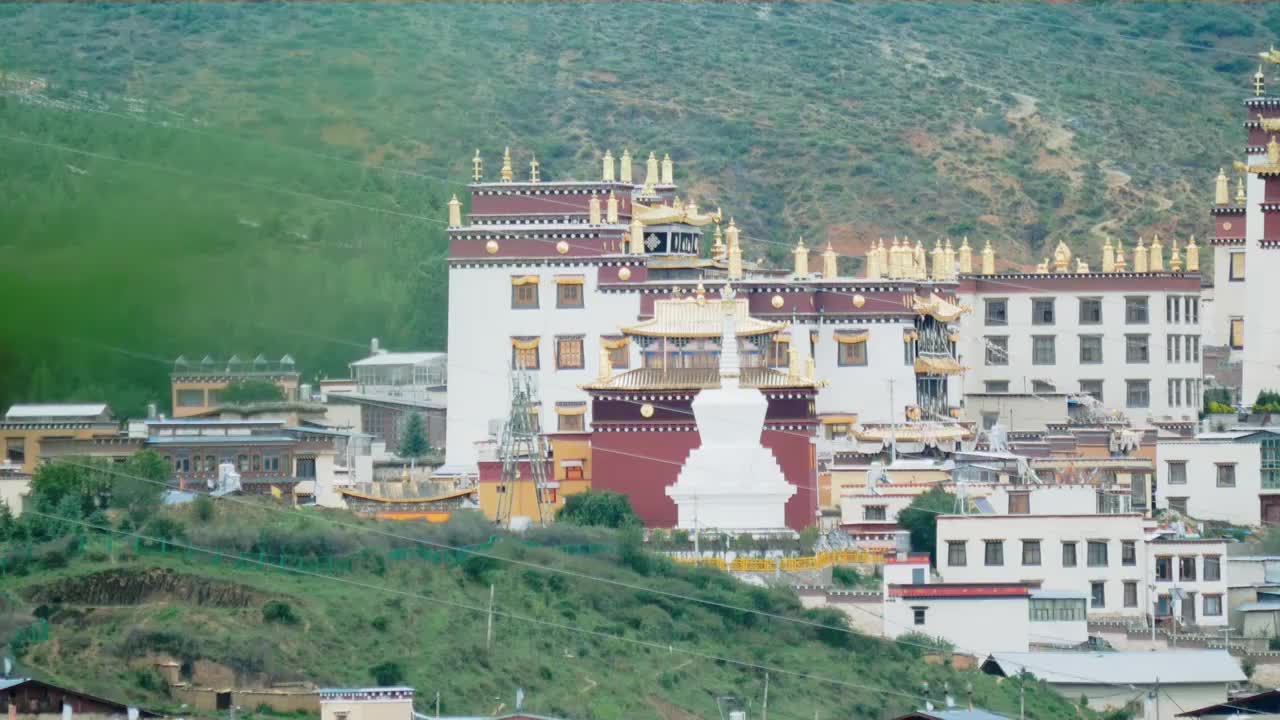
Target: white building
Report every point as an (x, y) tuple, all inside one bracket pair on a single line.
[(405, 375), (1163, 683), (1231, 476), (1190, 580), (1129, 339)]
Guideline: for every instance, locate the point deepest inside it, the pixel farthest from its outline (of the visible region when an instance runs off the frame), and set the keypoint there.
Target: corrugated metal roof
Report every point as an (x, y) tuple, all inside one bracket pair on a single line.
[(398, 358), (6, 683), (1133, 668), (688, 317), (55, 410), (1260, 607), (1058, 595), (219, 439)]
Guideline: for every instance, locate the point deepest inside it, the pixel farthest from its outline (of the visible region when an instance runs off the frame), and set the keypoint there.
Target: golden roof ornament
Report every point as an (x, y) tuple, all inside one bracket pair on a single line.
[(533, 170), (1240, 196), (717, 249), (1140, 257), (1272, 56), (477, 167), (1043, 267), (1193, 256), (607, 163), (871, 265), (593, 210), (668, 170), (650, 175), (1259, 83), (1155, 258), (1222, 189), (636, 244), (734, 252), (948, 260), (701, 294), (829, 269), (1108, 256), (965, 255), (606, 366), (1175, 258), (1061, 257), (1120, 261), (455, 212), (802, 259), (624, 167), (1081, 265), (611, 208), (1273, 151), (935, 255), (918, 266), (507, 174), (988, 259)]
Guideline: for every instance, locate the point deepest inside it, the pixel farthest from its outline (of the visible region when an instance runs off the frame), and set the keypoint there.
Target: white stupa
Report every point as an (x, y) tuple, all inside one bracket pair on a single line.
[(731, 482)]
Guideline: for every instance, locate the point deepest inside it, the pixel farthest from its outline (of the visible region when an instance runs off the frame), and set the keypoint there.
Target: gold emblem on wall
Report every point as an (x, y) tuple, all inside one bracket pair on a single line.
[(562, 247), (859, 301), (646, 410), (1226, 225), (624, 274), (777, 301), (491, 247)]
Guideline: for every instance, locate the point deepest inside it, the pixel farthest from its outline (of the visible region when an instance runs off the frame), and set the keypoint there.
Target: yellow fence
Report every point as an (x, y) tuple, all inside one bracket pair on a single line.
[(807, 562)]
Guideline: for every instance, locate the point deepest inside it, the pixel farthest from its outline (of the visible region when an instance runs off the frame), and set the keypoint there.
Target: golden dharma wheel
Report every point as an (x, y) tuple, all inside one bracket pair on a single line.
[(562, 247), (646, 410), (859, 301), (624, 274), (491, 247), (777, 301)]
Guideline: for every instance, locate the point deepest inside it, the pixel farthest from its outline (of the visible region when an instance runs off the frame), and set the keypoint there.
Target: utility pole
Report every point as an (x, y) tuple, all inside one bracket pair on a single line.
[(764, 708), (488, 631), (893, 427), (1022, 698), (437, 703)]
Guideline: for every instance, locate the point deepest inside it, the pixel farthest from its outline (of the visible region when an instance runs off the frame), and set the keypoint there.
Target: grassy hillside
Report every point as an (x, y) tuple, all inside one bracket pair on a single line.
[(271, 177), (112, 608)]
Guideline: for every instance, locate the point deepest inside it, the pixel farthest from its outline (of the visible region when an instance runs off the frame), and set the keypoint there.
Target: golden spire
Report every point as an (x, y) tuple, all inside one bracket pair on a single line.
[(1119, 261), (668, 170), (966, 257), (636, 246), (1108, 256), (624, 168), (455, 212), (533, 170), (948, 260), (607, 166), (872, 266), (1061, 257), (918, 266), (650, 174), (734, 251), (507, 174), (1259, 83), (1140, 257), (1193, 256), (593, 210), (611, 208), (988, 259), (477, 167), (605, 372), (936, 256), (1175, 259), (829, 269), (1241, 198), (1222, 189), (717, 249), (1273, 151), (1155, 258), (794, 365), (802, 259)]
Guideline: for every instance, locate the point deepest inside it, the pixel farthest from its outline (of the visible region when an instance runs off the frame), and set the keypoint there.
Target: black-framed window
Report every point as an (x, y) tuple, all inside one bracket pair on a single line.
[(997, 311), (1090, 349), (1091, 311), (1042, 311)]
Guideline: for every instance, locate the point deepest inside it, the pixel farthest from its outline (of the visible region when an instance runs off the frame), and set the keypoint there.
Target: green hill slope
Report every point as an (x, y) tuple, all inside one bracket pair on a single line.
[(271, 177), (579, 648)]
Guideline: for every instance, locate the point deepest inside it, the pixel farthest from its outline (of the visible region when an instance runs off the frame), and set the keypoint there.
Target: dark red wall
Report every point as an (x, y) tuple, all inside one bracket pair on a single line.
[(1236, 221), (577, 204), (1271, 193), (1271, 226)]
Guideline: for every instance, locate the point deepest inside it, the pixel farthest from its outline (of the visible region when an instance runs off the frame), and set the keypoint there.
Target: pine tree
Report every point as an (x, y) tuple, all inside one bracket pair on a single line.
[(413, 440)]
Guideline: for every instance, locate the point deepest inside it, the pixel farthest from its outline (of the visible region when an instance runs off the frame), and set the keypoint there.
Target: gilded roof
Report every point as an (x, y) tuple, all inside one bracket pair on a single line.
[(691, 317), (695, 379)]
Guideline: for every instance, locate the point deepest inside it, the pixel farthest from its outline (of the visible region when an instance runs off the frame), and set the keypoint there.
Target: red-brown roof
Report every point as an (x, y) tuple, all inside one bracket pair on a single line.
[(960, 590)]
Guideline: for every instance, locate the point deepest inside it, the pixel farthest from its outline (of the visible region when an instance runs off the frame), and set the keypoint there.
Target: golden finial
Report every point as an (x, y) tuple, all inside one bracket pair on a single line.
[(607, 164), (829, 269), (935, 256), (506, 174), (455, 212), (1108, 256), (701, 293), (1120, 261), (650, 174), (1155, 258), (533, 170), (611, 208), (948, 260), (636, 244), (1240, 196), (624, 167), (605, 373), (1061, 257), (1140, 257), (717, 249), (1271, 56), (1193, 256), (1081, 266), (988, 259), (477, 167), (1259, 83), (668, 170), (918, 264), (1222, 189), (872, 263), (802, 259), (1175, 258), (1273, 151), (966, 257), (593, 210), (734, 251)]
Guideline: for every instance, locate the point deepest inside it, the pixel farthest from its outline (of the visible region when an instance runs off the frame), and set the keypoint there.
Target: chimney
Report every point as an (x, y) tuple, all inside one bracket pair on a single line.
[(151, 413), (373, 347)]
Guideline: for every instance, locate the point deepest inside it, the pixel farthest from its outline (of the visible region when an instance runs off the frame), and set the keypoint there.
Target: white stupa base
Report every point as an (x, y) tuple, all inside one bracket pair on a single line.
[(731, 489)]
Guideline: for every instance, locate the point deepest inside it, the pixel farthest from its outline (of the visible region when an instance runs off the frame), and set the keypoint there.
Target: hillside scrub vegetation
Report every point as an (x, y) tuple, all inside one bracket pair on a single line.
[(159, 201)]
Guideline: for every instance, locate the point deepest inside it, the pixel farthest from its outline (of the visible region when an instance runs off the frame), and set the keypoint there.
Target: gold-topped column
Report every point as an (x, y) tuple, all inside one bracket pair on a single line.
[(636, 246), (948, 260), (477, 167), (1193, 256), (966, 257), (829, 269), (1155, 257), (668, 170), (455, 212), (624, 167), (611, 208), (734, 251), (802, 259), (988, 259), (507, 173), (607, 175), (935, 255), (1222, 189), (593, 210), (1140, 257), (1108, 256)]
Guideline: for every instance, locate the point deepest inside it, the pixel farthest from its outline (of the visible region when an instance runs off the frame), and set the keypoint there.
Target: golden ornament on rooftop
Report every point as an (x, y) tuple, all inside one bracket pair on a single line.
[(777, 301), (859, 301), (624, 274), (491, 247), (562, 247), (646, 410)]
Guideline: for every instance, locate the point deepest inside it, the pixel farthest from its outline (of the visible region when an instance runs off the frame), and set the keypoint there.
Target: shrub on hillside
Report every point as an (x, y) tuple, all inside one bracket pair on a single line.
[(599, 508), (387, 673), (279, 611)]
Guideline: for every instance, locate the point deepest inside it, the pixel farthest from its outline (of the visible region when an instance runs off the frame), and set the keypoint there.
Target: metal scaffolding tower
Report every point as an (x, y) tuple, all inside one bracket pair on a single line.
[(522, 441)]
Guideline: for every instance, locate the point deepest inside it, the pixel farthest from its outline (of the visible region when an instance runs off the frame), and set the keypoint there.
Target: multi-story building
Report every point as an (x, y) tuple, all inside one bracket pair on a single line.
[(1230, 476), (26, 427), (405, 375), (1125, 570), (1130, 338), (543, 274), (196, 388)]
